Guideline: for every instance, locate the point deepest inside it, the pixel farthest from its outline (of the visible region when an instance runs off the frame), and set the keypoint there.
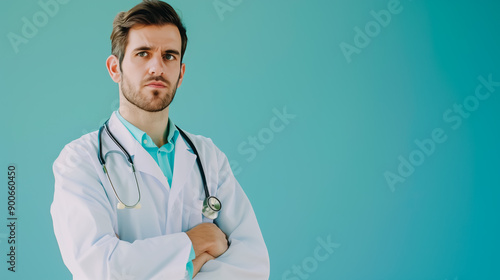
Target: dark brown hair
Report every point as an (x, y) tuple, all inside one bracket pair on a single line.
[(149, 12)]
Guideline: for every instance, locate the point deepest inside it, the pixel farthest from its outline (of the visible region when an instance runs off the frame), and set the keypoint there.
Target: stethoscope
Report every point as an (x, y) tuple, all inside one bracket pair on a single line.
[(211, 204)]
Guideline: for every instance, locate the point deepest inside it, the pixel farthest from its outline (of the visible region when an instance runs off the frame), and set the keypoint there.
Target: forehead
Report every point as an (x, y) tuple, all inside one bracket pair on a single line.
[(154, 36)]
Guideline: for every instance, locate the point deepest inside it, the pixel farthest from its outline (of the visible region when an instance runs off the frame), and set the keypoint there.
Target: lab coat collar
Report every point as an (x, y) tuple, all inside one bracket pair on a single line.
[(183, 162)]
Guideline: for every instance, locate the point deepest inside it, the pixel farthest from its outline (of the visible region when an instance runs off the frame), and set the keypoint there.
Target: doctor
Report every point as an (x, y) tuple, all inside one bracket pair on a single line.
[(165, 236)]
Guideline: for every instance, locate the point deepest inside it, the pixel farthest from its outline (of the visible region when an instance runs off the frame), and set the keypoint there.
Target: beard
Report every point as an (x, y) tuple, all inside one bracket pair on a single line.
[(155, 101)]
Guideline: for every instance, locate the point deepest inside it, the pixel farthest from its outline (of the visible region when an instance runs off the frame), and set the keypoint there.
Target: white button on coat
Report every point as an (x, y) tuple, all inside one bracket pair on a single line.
[(98, 241)]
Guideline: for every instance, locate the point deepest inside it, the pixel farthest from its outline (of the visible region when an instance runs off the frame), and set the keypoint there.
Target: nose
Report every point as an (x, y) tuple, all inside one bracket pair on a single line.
[(156, 66)]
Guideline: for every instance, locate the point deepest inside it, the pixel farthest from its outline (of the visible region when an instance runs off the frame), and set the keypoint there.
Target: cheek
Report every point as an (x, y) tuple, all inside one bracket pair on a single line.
[(132, 67), (131, 75), (174, 70)]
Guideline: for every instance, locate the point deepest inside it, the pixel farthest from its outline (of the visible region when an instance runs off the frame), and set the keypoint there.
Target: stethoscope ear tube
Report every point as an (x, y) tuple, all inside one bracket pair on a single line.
[(99, 154), (129, 158), (120, 204)]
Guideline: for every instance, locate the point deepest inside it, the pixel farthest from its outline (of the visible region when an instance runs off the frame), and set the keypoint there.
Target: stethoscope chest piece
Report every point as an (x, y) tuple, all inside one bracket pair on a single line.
[(211, 207)]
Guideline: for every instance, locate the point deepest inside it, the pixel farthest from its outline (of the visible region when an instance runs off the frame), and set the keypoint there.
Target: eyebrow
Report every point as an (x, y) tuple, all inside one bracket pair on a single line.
[(145, 48)]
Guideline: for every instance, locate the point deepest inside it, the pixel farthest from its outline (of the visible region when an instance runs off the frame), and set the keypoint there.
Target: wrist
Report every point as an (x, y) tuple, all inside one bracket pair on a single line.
[(205, 257)]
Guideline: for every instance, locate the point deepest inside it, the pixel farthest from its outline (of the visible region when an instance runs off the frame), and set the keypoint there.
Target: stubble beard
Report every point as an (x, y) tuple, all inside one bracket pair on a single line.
[(154, 104)]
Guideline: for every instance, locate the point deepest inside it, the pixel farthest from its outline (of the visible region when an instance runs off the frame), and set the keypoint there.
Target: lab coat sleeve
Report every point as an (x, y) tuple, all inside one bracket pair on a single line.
[(83, 225), (247, 256)]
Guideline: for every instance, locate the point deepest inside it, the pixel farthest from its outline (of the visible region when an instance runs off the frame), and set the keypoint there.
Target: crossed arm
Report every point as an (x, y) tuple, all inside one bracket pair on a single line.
[(209, 242)]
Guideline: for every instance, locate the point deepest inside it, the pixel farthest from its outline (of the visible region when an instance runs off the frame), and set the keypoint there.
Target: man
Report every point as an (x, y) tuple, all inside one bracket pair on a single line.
[(118, 220)]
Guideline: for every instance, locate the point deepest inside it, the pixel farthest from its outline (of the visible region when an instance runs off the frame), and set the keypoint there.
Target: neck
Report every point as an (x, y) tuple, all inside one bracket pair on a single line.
[(153, 123)]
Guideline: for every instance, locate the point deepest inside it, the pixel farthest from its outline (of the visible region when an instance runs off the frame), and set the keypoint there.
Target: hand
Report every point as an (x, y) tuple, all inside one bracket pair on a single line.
[(199, 261), (207, 237)]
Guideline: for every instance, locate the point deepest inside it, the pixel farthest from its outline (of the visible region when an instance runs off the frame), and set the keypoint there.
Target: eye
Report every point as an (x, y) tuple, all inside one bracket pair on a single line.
[(169, 57), (142, 54)]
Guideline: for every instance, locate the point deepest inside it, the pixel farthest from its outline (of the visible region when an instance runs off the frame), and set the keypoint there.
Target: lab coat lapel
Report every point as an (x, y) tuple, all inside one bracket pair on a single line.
[(184, 162), (142, 159)]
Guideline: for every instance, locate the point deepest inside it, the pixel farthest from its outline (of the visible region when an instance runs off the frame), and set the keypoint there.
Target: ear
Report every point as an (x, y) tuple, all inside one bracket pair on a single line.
[(112, 64), (181, 74)]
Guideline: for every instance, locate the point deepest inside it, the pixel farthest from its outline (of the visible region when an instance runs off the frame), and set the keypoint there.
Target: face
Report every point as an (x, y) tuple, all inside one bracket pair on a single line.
[(151, 67)]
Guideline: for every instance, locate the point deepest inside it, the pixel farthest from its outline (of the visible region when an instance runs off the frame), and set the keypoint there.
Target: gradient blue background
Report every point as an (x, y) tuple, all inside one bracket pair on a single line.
[(323, 175)]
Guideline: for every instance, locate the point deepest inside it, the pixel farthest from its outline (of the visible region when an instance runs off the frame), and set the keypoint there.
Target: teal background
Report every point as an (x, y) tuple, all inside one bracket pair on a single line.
[(323, 174)]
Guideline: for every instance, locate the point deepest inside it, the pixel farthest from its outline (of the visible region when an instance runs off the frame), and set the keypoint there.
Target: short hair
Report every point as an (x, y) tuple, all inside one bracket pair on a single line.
[(149, 12)]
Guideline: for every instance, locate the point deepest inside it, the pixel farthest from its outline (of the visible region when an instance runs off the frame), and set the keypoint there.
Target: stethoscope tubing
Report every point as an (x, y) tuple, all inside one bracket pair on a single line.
[(129, 159), (198, 161)]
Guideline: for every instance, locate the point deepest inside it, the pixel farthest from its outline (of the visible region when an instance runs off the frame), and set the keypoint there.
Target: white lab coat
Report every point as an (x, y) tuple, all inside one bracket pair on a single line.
[(98, 241)]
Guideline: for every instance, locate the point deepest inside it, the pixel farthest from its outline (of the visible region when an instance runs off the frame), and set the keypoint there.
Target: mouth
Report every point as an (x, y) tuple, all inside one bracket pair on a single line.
[(156, 85)]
